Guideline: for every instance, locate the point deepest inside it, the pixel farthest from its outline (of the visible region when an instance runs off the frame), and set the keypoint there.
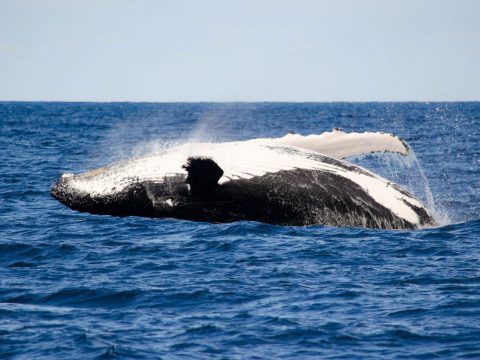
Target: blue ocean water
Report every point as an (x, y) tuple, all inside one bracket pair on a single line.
[(75, 285)]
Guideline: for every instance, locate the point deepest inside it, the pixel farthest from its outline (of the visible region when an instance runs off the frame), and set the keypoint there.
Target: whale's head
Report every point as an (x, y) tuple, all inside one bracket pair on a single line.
[(120, 190), (84, 192)]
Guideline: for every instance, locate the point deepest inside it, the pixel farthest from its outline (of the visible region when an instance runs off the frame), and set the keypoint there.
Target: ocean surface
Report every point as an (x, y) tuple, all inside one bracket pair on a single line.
[(75, 285)]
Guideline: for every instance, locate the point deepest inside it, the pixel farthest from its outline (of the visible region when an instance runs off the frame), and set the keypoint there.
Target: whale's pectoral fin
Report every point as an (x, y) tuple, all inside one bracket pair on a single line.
[(203, 175), (340, 145)]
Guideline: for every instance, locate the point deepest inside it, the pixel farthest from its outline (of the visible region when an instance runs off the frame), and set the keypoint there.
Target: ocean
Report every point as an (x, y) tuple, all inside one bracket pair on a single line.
[(81, 286)]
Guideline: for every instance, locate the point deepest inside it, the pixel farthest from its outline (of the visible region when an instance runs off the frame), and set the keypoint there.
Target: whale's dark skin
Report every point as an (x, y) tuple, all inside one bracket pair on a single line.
[(287, 197)]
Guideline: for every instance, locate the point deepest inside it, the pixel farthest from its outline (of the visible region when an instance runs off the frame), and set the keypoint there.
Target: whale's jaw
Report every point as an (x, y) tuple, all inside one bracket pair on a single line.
[(132, 200)]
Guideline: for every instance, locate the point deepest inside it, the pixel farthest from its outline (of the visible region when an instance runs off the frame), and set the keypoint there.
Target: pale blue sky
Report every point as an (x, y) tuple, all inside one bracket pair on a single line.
[(262, 50)]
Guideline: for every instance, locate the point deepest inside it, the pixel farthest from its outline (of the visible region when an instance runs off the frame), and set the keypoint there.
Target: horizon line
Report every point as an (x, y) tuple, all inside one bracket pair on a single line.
[(236, 101)]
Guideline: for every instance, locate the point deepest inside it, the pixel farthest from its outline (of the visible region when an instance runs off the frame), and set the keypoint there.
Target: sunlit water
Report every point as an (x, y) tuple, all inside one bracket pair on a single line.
[(76, 285)]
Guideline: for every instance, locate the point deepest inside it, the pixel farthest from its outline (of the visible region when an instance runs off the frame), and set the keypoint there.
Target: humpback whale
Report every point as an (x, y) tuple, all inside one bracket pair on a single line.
[(293, 180)]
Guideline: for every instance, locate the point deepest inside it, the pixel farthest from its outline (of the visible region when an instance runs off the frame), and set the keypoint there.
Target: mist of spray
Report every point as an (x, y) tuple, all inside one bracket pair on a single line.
[(139, 137), (213, 126), (407, 172)]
